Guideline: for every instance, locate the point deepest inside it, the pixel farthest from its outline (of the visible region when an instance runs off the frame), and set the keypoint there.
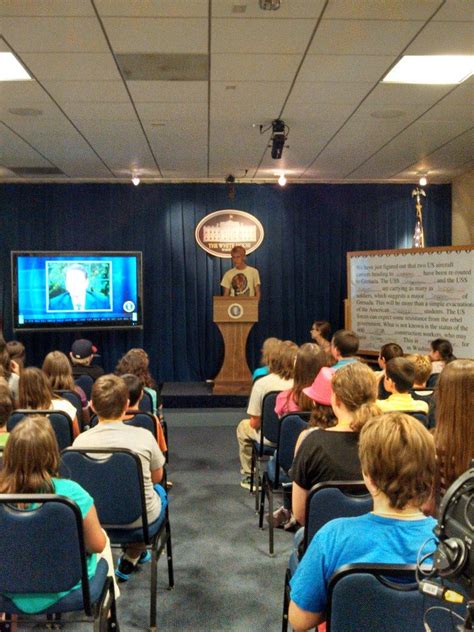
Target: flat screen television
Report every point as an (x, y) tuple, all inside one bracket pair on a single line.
[(76, 290)]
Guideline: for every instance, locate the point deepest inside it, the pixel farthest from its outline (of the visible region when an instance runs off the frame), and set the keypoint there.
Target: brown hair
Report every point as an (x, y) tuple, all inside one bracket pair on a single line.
[(109, 396), (286, 359), (346, 342), (322, 416), (309, 361), (444, 348), (58, 370), (237, 249), (5, 362), (355, 385), (391, 350), (30, 458), (6, 402), (134, 387), (34, 389), (397, 452), (324, 329), (422, 366), (454, 436), (269, 347), (136, 362), (16, 351), (402, 372)]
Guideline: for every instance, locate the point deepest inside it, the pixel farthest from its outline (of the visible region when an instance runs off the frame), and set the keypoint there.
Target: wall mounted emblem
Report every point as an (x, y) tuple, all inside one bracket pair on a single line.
[(219, 232)]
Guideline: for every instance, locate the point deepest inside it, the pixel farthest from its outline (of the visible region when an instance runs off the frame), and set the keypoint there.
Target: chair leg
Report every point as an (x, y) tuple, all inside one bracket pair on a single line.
[(169, 554), (153, 585), (257, 483), (252, 471), (286, 602), (263, 491), (270, 524)]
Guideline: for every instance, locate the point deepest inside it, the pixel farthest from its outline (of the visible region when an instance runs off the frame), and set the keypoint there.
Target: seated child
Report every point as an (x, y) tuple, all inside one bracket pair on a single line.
[(422, 364), (109, 402), (397, 455), (399, 379), (135, 395), (6, 409), (387, 352)]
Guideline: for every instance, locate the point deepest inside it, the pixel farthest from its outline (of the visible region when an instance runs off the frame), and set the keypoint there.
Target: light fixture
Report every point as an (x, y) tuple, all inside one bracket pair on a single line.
[(431, 69), (282, 180), (136, 180), (423, 181), (418, 240), (11, 69), (269, 5), (279, 136)]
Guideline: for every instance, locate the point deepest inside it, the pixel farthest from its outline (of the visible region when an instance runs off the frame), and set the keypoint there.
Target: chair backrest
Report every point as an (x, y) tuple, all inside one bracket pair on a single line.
[(75, 400), (142, 420), (361, 596), (60, 421), (423, 417), (432, 380), (146, 402), (269, 421), (114, 478), (42, 550), (139, 420), (334, 499), (86, 383), (291, 426)]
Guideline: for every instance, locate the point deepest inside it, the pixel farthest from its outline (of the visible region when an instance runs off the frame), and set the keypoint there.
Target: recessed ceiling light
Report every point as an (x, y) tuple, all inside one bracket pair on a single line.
[(11, 69), (387, 114), (25, 111), (431, 69)]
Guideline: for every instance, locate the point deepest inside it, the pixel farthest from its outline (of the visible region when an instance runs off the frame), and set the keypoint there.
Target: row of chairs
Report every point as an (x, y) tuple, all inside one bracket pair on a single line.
[(272, 456), (54, 560)]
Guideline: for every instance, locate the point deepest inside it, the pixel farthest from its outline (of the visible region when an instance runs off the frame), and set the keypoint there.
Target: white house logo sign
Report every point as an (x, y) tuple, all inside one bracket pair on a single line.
[(219, 232)]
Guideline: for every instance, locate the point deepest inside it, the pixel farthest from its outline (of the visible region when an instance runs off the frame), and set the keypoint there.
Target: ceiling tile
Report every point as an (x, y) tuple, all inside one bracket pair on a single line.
[(347, 68), (457, 10), (248, 67), (377, 10), (250, 101), (21, 93), (157, 35), (168, 91), (101, 111), (53, 35), (172, 111), (46, 8), (363, 37), (87, 91), (293, 9), (72, 66), (328, 93), (260, 36), (18, 153), (444, 38), (152, 8)]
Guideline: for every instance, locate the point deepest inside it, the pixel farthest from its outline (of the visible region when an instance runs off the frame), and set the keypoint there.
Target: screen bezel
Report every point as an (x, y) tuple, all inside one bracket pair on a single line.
[(84, 324)]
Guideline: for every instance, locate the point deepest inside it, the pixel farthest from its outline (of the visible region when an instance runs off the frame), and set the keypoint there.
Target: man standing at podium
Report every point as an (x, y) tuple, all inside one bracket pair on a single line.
[(241, 280)]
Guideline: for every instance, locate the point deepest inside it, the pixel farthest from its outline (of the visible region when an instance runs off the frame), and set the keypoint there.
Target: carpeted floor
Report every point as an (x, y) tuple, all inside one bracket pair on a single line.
[(224, 577)]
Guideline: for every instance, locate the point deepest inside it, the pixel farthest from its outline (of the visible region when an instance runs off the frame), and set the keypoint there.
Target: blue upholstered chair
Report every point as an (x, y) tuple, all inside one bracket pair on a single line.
[(60, 421), (114, 478), (326, 501), (86, 383), (383, 596), (269, 427), (75, 400), (290, 428), (42, 551)]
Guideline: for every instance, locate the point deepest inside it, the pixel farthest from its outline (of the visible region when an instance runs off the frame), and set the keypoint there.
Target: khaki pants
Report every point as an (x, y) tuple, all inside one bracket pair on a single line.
[(245, 436)]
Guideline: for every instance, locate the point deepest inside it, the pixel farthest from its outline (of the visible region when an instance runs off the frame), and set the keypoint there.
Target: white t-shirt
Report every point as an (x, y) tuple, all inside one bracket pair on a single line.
[(261, 387), (65, 406), (142, 442), (241, 282)]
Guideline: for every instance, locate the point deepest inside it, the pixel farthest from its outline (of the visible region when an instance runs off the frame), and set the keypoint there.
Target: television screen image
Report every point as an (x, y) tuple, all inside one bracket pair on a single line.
[(71, 290)]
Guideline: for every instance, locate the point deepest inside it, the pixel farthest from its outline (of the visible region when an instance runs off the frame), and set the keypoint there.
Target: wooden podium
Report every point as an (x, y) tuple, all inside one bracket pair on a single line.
[(235, 317)]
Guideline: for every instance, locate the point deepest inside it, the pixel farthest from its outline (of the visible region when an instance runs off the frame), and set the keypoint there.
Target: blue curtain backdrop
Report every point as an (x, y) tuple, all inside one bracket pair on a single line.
[(302, 261)]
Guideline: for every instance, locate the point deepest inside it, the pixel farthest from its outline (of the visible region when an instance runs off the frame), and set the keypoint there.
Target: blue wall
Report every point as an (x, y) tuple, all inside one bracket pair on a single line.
[(302, 261)]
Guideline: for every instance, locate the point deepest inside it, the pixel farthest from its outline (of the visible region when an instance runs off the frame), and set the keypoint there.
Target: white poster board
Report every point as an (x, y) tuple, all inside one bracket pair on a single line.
[(411, 297)]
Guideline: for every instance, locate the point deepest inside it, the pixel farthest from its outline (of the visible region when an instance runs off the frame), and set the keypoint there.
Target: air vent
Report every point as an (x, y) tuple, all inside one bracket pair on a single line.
[(164, 67), (239, 8), (37, 171)]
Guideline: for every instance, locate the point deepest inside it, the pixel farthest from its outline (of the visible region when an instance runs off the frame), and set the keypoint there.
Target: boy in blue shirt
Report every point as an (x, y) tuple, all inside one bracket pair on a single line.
[(397, 455)]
